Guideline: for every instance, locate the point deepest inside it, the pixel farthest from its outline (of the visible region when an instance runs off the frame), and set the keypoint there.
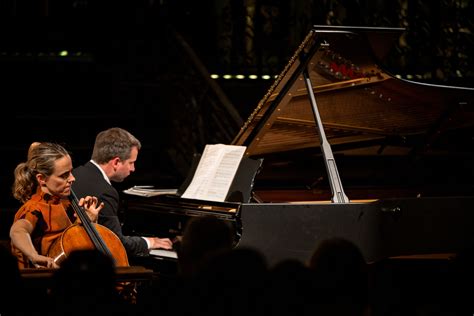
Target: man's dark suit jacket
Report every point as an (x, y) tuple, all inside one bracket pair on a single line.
[(90, 181)]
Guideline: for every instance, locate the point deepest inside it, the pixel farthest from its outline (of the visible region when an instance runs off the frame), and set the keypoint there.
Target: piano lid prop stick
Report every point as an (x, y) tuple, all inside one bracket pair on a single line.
[(338, 195)]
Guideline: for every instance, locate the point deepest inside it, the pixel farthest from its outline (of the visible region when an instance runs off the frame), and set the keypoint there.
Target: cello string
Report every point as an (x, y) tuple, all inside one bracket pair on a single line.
[(89, 227)]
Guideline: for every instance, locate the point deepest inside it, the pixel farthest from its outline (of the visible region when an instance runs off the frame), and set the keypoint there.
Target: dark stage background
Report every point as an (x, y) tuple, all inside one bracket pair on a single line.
[(72, 68)]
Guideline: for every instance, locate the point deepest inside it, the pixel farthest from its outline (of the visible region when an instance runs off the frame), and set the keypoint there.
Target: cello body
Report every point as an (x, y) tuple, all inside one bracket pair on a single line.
[(76, 237)]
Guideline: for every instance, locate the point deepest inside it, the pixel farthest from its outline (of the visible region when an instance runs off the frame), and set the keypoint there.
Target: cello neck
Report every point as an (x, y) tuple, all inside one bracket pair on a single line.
[(88, 226)]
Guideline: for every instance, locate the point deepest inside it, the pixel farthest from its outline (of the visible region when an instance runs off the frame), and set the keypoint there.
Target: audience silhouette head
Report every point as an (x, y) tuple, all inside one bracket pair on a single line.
[(85, 280), (341, 276), (203, 237)]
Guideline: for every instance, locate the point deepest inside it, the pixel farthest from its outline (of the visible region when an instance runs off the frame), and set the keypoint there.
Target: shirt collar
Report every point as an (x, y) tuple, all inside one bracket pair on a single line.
[(101, 171), (46, 197)]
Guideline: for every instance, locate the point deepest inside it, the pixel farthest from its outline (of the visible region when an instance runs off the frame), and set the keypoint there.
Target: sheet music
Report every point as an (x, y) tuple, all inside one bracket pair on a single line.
[(164, 253), (148, 191), (215, 172)]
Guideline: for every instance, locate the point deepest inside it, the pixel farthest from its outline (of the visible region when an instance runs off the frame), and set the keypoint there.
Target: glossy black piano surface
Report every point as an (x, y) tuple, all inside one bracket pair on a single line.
[(167, 215), (404, 152)]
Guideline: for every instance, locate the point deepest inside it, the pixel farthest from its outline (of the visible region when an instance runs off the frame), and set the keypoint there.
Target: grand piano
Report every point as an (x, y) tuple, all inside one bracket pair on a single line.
[(346, 149)]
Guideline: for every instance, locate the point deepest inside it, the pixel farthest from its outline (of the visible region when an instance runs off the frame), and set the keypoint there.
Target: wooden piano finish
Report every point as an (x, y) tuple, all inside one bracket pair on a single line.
[(404, 153)]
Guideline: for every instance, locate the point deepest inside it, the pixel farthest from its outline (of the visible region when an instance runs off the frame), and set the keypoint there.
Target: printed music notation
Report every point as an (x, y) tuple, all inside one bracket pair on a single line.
[(215, 172)]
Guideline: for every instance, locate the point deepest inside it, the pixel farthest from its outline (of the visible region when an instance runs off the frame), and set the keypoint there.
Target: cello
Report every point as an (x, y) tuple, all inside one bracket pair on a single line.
[(87, 235)]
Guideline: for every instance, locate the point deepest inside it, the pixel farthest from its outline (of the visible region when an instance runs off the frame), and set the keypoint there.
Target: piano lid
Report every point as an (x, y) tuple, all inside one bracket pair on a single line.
[(365, 110)]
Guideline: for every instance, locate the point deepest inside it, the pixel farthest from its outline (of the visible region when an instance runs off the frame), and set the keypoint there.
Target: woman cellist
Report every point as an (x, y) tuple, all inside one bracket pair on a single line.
[(43, 185)]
